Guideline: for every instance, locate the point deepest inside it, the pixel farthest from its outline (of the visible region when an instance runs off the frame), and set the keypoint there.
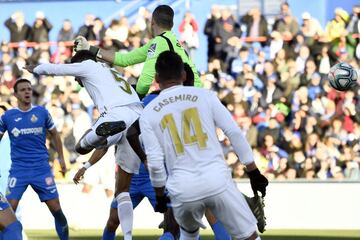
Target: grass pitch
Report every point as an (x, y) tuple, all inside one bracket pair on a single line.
[(205, 235)]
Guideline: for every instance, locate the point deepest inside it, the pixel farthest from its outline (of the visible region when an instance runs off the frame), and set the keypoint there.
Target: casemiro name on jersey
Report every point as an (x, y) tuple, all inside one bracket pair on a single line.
[(174, 99)]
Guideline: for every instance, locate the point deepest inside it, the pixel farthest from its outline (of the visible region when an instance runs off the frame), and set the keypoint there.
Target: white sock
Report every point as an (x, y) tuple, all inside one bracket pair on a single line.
[(188, 236), (125, 213)]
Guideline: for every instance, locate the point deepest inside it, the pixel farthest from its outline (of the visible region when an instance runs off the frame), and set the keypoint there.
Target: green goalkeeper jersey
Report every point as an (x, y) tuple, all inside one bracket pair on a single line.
[(148, 54)]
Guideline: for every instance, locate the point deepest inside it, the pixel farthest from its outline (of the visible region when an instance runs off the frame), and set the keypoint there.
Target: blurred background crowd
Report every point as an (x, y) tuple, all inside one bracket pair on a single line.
[(271, 76)]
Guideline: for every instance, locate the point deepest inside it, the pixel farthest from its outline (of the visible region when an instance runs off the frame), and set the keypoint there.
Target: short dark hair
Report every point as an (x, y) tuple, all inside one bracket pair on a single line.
[(189, 75), (83, 55), (21, 80), (169, 66), (163, 16)]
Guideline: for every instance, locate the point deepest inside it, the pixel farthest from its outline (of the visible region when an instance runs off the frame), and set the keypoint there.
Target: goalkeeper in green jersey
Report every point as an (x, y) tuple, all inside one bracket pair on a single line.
[(164, 40)]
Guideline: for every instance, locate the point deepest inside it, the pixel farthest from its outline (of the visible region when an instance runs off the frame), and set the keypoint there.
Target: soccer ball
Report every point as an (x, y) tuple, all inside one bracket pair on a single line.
[(342, 76)]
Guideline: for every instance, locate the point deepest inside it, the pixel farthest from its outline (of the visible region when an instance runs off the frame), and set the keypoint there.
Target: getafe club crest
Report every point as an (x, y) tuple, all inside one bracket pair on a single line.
[(33, 118), (49, 181)]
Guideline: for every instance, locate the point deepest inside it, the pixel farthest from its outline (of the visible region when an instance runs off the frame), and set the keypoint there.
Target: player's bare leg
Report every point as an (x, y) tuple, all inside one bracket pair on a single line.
[(10, 227), (125, 206), (92, 139), (111, 225), (170, 224), (7, 217), (13, 203), (61, 225)]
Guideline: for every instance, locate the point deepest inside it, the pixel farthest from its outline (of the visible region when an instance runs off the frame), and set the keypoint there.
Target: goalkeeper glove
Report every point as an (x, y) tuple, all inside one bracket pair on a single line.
[(81, 43), (258, 182), (161, 203)]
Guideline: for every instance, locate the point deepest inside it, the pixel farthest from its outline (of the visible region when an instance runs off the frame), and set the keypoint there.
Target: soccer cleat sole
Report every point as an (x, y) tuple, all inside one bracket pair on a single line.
[(106, 129), (257, 205)]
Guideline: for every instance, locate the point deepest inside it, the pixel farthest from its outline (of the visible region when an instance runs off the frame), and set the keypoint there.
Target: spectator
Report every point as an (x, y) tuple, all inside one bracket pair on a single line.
[(66, 33), (189, 34), (225, 31), (96, 32), (256, 24), (287, 27), (40, 29), (209, 31), (19, 30), (88, 23), (311, 28), (353, 25), (336, 27)]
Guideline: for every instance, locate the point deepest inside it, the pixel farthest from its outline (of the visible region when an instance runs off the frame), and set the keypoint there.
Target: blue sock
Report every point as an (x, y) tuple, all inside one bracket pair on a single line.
[(220, 231), (61, 226), (12, 231), (167, 236), (108, 235)]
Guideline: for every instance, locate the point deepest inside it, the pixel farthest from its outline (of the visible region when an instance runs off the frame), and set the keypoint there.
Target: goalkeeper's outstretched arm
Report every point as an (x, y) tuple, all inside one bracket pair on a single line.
[(135, 56)]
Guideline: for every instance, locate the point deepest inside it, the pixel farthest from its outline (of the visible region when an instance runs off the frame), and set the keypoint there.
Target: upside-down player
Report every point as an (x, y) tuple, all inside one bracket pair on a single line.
[(119, 106)]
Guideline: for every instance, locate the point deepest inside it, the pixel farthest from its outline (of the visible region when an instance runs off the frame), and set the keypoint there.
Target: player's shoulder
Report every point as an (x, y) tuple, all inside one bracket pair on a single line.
[(39, 109), (201, 91)]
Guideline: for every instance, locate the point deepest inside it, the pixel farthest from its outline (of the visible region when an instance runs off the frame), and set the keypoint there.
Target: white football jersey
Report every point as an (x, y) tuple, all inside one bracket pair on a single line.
[(105, 85), (180, 126)]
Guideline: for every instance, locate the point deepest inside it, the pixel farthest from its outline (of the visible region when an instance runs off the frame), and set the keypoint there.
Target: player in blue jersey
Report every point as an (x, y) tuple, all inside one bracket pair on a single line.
[(10, 227), (27, 126)]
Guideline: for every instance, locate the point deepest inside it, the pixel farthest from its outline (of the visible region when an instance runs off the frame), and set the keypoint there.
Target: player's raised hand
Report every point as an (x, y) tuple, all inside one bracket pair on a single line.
[(80, 43), (258, 182), (63, 168), (79, 175)]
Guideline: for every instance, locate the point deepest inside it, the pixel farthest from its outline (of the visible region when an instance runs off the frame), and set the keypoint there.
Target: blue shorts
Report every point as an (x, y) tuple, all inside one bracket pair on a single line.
[(138, 192), (41, 180), (3, 202)]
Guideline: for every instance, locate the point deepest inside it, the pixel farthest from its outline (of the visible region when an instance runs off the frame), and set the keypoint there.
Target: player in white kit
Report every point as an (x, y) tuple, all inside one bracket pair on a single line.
[(119, 107), (117, 101), (184, 154)]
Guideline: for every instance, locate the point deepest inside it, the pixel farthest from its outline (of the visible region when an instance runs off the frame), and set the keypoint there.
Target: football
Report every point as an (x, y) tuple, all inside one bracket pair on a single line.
[(342, 76)]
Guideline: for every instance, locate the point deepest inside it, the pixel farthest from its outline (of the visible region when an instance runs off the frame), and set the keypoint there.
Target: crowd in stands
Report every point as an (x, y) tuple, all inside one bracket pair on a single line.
[(272, 78)]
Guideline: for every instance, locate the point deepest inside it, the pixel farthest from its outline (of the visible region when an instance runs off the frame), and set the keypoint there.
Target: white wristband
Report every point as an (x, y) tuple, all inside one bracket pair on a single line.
[(87, 165)]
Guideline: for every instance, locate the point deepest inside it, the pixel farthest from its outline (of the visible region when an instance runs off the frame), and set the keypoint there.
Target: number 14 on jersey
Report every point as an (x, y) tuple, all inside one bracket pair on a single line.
[(190, 121)]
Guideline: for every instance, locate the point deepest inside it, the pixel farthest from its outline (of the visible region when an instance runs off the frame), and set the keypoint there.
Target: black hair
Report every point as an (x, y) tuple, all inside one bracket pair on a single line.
[(169, 66), (163, 16), (21, 80), (189, 75), (83, 55)]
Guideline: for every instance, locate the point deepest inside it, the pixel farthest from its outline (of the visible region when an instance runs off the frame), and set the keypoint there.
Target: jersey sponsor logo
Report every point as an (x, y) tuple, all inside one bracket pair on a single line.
[(151, 50), (25, 131), (16, 132), (33, 118), (17, 119), (49, 181)]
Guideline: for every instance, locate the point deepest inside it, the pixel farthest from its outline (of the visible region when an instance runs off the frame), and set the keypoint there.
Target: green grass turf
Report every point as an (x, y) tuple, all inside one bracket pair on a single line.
[(206, 235)]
